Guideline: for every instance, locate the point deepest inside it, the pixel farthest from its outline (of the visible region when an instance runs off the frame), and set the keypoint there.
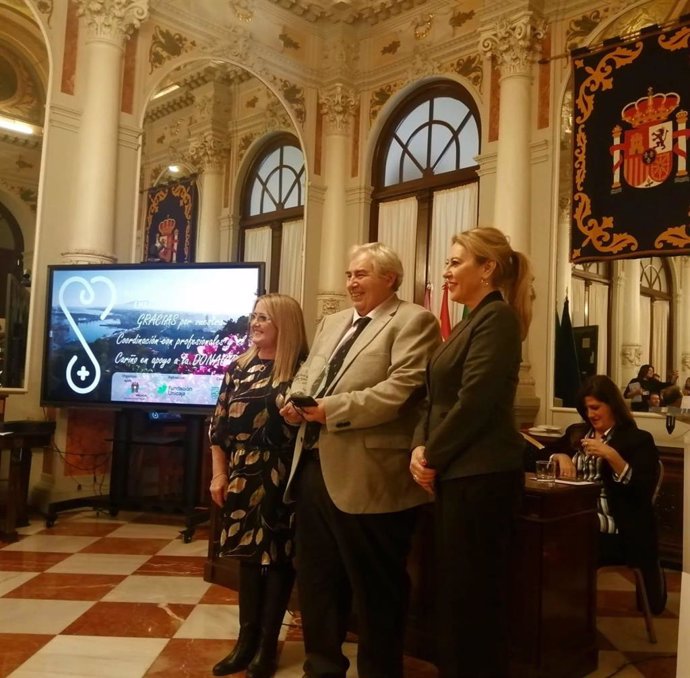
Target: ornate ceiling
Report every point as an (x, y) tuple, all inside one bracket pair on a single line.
[(346, 11)]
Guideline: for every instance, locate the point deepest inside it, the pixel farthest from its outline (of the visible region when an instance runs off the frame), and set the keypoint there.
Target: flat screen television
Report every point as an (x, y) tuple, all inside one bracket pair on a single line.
[(153, 336)]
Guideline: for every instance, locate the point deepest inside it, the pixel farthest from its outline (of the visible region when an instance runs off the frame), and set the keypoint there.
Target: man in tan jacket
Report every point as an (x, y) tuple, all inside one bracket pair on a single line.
[(356, 502)]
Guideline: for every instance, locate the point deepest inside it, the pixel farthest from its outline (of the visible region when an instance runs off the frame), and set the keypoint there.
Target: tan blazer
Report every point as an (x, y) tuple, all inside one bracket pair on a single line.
[(371, 406)]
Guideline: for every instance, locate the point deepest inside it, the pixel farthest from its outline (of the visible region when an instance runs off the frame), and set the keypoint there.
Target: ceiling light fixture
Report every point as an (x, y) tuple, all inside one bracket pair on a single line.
[(18, 126), (174, 169), (165, 90)]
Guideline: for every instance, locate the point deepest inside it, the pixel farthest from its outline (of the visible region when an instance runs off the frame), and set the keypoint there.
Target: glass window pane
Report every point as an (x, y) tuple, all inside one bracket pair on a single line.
[(255, 202), (448, 162), (410, 170), (469, 144), (292, 157), (290, 195), (417, 117), (273, 186), (418, 145), (392, 175), (450, 110), (270, 162), (440, 136)]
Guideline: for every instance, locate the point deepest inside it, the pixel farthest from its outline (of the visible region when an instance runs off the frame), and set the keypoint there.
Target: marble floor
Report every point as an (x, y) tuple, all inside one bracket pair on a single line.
[(97, 597)]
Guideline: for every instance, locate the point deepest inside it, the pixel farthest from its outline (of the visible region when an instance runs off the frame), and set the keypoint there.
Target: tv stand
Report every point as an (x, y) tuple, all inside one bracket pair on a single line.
[(133, 432)]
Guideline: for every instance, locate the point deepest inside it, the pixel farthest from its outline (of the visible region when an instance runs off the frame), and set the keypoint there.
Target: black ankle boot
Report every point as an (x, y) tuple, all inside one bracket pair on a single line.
[(251, 598), (278, 587), (242, 654)]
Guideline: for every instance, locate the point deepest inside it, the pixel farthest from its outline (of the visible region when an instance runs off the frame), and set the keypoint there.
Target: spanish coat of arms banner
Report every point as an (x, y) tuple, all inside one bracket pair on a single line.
[(631, 194), (171, 216)]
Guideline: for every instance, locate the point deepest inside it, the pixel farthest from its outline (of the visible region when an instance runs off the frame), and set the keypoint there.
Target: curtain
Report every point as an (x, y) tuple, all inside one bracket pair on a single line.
[(645, 325), (599, 315), (291, 257), (660, 312), (577, 305), (398, 230), (454, 211), (257, 247)]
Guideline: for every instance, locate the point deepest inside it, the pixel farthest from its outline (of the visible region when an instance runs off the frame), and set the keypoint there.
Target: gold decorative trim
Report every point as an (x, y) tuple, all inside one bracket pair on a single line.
[(470, 67), (582, 27), (166, 45), (675, 236)]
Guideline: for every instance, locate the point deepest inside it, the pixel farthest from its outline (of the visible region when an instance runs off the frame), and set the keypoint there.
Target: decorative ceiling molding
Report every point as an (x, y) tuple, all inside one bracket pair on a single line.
[(348, 11)]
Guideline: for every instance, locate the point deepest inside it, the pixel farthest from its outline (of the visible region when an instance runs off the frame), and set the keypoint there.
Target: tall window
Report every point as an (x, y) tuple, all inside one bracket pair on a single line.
[(591, 289), (656, 314), (425, 182), (272, 217)]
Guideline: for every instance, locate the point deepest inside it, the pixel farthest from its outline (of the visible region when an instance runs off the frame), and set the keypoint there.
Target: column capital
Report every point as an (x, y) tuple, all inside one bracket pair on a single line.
[(338, 105), (328, 303), (113, 20), (685, 362), (87, 256), (514, 41), (631, 355), (208, 151)]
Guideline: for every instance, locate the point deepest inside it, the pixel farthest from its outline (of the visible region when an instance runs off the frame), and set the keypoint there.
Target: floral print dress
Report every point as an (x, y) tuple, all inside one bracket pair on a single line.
[(257, 525)]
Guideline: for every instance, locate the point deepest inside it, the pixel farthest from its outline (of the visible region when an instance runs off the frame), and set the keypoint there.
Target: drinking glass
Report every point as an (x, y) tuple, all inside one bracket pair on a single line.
[(546, 472)]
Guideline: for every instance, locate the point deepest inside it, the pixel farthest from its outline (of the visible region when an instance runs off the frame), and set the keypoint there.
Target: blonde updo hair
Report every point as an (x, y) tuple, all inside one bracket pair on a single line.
[(512, 274)]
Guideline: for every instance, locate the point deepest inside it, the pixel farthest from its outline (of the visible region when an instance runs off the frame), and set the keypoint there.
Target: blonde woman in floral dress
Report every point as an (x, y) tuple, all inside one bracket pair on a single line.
[(251, 447)]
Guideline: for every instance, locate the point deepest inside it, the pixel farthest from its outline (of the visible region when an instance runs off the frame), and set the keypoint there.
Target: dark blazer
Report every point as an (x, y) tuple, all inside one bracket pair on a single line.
[(469, 427), (630, 505)]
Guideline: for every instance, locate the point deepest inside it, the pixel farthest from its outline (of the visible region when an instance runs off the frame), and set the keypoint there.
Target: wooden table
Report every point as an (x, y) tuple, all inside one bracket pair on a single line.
[(18, 438)]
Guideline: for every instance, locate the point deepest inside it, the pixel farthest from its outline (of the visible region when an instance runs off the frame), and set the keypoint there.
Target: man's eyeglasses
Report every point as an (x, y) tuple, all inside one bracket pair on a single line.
[(259, 318)]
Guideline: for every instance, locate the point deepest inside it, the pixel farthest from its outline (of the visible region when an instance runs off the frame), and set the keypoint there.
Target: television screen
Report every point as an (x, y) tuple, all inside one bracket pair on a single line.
[(145, 335)]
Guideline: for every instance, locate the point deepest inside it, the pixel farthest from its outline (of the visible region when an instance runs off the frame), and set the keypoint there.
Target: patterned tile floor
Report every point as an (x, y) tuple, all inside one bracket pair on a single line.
[(99, 597)]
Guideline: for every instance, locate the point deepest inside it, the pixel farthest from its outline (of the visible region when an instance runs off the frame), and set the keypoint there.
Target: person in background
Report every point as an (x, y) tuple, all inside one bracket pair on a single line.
[(609, 448), (639, 389), (671, 397), (251, 447), (356, 505), (469, 455), (654, 400), (686, 387)]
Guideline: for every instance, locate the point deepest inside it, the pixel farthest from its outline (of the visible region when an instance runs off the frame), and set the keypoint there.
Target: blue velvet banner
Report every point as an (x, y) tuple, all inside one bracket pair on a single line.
[(171, 222), (631, 193)]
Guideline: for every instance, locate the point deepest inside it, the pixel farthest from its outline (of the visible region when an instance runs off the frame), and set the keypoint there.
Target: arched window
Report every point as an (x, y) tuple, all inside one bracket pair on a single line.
[(272, 214), (656, 314), (425, 183), (590, 308)]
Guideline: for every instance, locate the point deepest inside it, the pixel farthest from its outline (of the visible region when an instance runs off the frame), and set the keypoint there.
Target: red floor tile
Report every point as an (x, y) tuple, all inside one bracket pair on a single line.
[(29, 561), (189, 658), (218, 595), (16, 648), (140, 620), (58, 586), (178, 566)]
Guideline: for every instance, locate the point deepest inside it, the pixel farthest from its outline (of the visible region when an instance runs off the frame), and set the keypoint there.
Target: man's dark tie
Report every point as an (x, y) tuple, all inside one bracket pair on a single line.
[(311, 433)]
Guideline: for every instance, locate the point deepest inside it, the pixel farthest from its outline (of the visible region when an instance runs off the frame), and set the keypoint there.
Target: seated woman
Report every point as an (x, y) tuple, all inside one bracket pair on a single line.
[(609, 448)]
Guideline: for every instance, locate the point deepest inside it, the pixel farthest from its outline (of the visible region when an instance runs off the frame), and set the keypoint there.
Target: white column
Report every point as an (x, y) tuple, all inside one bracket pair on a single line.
[(89, 234), (512, 42), (684, 324), (209, 153), (631, 349), (337, 106)]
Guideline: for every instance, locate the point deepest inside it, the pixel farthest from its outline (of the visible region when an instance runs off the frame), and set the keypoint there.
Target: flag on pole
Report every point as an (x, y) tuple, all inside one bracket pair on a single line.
[(567, 369), (444, 315)]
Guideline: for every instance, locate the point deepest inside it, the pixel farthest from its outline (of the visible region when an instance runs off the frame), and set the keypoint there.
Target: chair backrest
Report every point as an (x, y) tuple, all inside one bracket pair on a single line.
[(659, 480)]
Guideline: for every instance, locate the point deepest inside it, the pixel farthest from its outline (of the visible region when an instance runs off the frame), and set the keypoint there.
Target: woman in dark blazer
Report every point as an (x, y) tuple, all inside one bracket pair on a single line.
[(610, 448), (468, 452)]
